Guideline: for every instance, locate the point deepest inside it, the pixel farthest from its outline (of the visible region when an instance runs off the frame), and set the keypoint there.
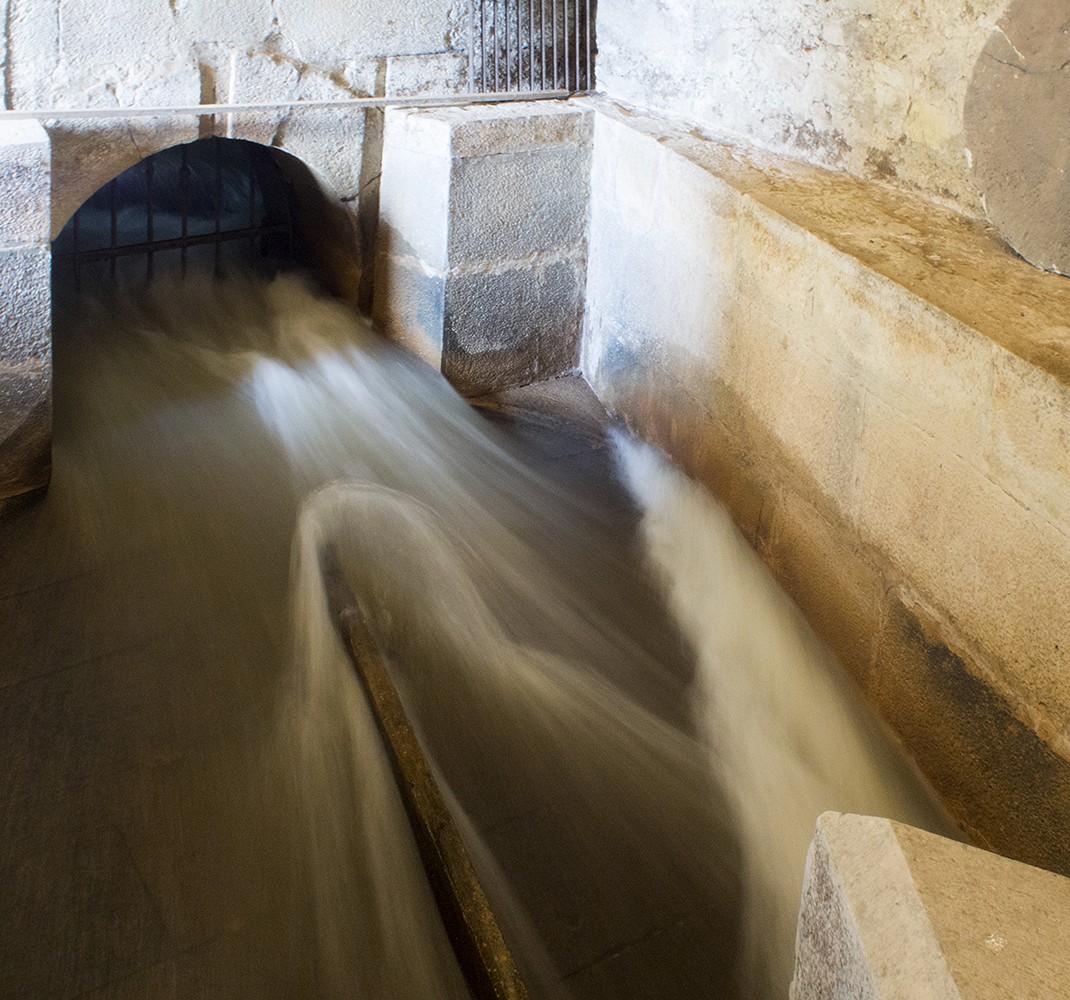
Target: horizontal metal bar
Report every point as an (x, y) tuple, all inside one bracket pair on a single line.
[(354, 104), (178, 243)]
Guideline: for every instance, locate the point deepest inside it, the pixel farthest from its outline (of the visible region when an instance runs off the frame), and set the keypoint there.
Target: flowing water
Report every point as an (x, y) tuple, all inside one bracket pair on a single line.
[(638, 807)]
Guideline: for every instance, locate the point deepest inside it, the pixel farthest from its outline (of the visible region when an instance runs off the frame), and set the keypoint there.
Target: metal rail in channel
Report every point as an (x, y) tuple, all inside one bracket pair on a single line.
[(531, 45)]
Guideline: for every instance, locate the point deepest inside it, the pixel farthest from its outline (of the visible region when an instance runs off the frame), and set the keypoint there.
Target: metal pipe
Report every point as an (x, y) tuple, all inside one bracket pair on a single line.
[(208, 110), (74, 243), (218, 202), (179, 243), (251, 165)]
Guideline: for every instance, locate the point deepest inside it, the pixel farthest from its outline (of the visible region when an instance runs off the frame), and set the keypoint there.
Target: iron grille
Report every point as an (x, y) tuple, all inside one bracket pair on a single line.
[(530, 45), (207, 204)]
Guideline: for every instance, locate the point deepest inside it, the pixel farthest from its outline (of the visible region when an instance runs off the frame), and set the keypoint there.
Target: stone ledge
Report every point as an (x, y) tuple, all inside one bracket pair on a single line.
[(889, 911)]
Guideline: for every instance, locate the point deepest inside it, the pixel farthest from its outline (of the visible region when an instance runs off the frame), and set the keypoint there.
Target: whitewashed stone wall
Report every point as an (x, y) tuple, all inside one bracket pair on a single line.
[(874, 87)]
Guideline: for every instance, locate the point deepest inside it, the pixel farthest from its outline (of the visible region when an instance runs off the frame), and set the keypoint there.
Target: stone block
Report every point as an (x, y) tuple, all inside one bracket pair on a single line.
[(1028, 449), (863, 932), (511, 127), (25, 429), (25, 306), (972, 548), (324, 30), (26, 180), (515, 205), (1009, 790), (421, 75), (511, 327), (889, 911), (414, 215), (409, 306)]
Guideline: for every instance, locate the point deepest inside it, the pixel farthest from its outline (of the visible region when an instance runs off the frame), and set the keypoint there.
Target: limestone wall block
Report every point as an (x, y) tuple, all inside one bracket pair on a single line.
[(1001, 571), (324, 30), (514, 205), (414, 202), (25, 161), (410, 303), (1028, 451), (909, 354), (25, 306), (25, 430), (889, 911), (514, 127), (433, 73), (230, 24), (511, 327)]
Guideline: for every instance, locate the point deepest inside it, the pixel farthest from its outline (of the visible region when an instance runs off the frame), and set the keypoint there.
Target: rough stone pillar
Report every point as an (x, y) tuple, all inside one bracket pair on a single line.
[(890, 912), (482, 239), (25, 309)]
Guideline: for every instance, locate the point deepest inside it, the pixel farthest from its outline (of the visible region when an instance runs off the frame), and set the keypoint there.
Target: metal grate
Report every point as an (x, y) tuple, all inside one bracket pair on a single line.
[(530, 45), (208, 204)]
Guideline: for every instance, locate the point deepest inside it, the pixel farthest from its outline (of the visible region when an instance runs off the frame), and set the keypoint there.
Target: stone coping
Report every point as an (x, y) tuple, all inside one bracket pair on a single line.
[(967, 271)]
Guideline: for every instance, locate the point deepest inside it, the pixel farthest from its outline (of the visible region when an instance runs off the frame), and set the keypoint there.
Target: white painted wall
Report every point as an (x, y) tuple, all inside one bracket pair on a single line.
[(874, 87)]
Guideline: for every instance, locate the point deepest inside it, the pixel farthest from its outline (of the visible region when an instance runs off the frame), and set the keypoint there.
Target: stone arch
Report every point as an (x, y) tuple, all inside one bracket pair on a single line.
[(85, 159)]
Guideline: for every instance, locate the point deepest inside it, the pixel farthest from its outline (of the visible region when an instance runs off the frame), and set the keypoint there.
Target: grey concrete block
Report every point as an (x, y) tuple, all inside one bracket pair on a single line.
[(25, 430), (25, 306), (26, 180), (514, 205), (511, 327)]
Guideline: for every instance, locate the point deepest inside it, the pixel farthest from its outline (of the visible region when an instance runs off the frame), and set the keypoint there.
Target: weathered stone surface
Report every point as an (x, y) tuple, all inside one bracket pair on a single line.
[(876, 89), (471, 204), (511, 327), (25, 306), (26, 181), (25, 430), (516, 205), (435, 73), (889, 911), (1014, 122), (863, 932)]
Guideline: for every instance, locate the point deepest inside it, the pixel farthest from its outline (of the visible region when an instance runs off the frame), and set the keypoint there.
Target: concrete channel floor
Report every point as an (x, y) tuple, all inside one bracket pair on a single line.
[(145, 838)]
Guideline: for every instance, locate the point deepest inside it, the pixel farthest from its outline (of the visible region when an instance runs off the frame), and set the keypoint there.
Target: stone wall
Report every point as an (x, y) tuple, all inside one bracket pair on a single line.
[(875, 87), (879, 392), (26, 310)]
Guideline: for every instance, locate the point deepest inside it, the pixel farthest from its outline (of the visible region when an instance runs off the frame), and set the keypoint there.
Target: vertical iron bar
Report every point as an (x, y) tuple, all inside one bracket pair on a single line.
[(183, 183), (471, 46), (218, 150), (542, 44), (589, 83), (566, 42), (114, 210), (576, 41), (553, 8), (531, 44), (150, 171), (508, 53), (494, 28), (483, 46)]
